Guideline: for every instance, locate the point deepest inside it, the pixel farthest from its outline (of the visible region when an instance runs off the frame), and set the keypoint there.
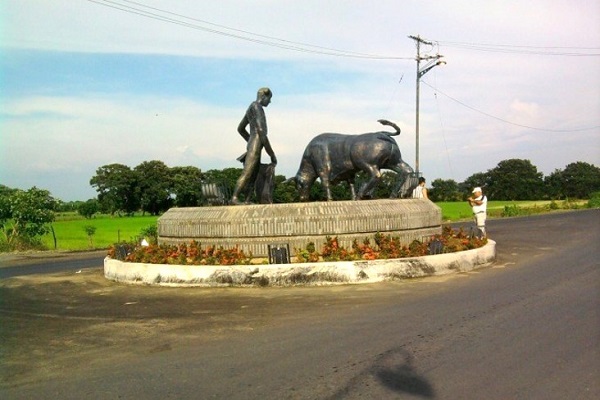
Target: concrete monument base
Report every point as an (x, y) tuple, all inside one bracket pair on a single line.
[(254, 227)]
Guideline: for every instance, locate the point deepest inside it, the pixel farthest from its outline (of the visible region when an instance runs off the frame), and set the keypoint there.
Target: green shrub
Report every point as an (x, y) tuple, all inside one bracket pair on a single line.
[(150, 233), (23, 243), (594, 201), (514, 211), (309, 254), (90, 231), (569, 204)]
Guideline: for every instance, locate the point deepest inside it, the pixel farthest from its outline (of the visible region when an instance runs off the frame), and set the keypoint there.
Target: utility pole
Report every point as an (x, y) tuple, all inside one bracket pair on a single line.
[(432, 62)]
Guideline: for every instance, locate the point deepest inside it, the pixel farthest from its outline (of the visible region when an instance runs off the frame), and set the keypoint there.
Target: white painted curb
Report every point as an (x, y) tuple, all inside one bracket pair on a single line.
[(306, 273)]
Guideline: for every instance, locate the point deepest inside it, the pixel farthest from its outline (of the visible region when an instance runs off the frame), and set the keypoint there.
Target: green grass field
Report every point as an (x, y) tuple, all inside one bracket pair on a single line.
[(456, 211), (71, 233)]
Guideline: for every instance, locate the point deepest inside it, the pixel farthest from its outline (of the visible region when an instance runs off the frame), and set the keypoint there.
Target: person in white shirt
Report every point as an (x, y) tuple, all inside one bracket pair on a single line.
[(478, 203), (420, 192)]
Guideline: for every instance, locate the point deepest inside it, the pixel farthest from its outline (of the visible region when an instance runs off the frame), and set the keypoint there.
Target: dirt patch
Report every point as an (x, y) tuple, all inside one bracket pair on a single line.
[(56, 323)]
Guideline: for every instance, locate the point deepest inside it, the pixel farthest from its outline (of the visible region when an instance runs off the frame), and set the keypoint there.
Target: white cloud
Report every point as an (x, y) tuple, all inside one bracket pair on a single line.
[(529, 110), (491, 93)]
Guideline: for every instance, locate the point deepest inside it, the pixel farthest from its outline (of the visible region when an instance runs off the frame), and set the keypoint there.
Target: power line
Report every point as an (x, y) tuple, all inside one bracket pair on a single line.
[(158, 14), (242, 31), (509, 122), (527, 50), (163, 15)]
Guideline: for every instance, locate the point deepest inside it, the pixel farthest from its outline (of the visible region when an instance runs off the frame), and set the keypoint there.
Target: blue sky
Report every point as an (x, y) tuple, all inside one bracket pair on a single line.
[(85, 85)]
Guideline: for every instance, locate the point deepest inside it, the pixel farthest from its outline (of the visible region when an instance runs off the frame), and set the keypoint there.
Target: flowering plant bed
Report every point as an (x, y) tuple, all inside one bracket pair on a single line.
[(384, 247), (182, 254)]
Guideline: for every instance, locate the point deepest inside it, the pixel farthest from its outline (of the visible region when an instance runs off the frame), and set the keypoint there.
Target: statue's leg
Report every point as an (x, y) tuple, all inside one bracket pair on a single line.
[(352, 189), (240, 185), (251, 185), (244, 183), (368, 187), (304, 183), (404, 171), (327, 187), (324, 176)]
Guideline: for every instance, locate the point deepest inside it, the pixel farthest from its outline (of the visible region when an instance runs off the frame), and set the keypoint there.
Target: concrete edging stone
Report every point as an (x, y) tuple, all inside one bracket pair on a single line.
[(343, 272)]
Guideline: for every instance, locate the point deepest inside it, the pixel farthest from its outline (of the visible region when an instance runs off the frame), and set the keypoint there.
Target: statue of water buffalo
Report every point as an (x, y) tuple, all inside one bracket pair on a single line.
[(334, 158)]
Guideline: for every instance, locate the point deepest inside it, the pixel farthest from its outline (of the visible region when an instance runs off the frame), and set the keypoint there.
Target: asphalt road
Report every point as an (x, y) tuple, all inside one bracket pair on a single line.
[(526, 328), (39, 263)]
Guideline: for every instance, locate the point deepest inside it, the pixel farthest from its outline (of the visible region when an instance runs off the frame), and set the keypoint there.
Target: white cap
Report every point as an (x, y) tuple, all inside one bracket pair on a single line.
[(477, 189)]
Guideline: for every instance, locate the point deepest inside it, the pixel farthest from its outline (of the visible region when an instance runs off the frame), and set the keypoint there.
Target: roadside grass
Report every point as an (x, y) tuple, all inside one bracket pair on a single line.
[(460, 210), (70, 228), (71, 233)]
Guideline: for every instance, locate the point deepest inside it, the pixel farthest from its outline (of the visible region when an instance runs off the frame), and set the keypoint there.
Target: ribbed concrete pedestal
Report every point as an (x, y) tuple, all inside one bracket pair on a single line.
[(254, 227)]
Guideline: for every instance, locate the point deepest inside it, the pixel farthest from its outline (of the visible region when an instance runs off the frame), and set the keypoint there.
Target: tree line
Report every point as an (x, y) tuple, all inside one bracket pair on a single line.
[(518, 179), (153, 187)]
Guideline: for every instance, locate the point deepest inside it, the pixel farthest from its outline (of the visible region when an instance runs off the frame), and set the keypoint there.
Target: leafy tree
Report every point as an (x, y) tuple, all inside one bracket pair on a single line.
[(90, 231), (225, 178), (594, 201), (5, 215), (67, 206), (285, 193), (553, 185), (515, 179), (480, 179), (5, 206), (444, 190), (153, 186), (25, 215), (117, 187), (88, 208), (386, 185), (185, 186), (317, 193), (383, 190), (341, 191), (580, 180)]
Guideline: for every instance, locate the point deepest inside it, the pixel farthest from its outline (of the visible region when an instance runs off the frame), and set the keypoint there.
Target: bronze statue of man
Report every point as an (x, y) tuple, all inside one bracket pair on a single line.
[(257, 140)]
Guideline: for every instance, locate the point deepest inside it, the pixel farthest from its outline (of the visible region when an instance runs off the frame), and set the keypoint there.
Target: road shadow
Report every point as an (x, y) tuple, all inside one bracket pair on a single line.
[(403, 377), (394, 370)]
